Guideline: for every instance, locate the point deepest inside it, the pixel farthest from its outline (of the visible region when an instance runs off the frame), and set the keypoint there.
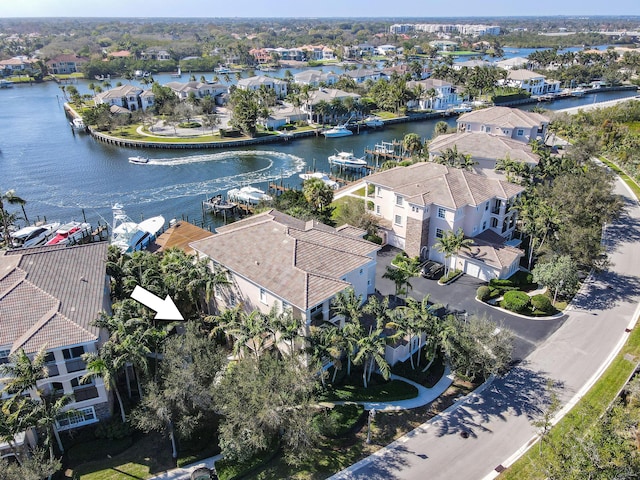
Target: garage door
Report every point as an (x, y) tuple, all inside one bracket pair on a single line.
[(472, 269)]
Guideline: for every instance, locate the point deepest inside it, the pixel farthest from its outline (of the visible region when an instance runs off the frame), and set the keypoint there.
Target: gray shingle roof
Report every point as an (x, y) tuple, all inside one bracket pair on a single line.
[(300, 262)]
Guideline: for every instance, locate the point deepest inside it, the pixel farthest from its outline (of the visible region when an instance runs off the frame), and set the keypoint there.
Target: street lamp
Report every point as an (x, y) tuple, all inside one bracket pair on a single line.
[(372, 415)]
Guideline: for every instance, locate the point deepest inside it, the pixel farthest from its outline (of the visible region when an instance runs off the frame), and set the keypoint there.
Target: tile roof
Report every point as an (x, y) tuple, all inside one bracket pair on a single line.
[(301, 262), (329, 94), (523, 74), (502, 116), (119, 92), (489, 248), (52, 295), (484, 146), (427, 183)]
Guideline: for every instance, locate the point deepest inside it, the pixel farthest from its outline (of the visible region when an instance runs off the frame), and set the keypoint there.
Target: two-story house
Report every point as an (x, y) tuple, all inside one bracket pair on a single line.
[(49, 298), (65, 64), (506, 122), (416, 205), (444, 95), (275, 260), (255, 83), (125, 96), (199, 89), (326, 95), (532, 82), (361, 75), (315, 78)]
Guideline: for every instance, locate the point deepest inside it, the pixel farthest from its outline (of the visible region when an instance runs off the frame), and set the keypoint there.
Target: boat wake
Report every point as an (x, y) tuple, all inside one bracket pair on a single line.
[(271, 166)]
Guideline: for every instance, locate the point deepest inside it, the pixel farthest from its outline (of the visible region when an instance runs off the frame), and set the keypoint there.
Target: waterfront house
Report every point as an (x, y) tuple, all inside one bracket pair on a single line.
[(282, 115), (506, 122), (16, 65), (326, 95), (315, 78), (125, 96), (485, 150), (444, 45), (361, 75), (255, 83), (199, 90), (444, 95), (155, 54), (277, 261), (531, 82), (49, 298), (470, 64), (386, 50), (357, 51), (65, 64), (514, 63), (417, 204), (261, 55)]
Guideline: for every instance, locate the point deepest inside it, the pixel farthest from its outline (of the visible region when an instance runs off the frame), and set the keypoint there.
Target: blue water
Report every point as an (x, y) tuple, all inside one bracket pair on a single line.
[(64, 175)]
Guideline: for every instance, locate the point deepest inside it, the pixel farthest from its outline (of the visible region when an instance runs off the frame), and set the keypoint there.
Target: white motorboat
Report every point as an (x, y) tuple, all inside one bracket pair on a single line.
[(347, 159), (33, 235), (373, 121), (322, 176), (129, 236), (248, 194), (337, 131), (5, 83), (70, 233), (217, 203), (138, 159), (78, 124), (577, 92)]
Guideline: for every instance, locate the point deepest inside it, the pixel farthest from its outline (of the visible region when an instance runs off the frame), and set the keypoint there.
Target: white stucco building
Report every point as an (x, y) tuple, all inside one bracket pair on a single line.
[(506, 122)]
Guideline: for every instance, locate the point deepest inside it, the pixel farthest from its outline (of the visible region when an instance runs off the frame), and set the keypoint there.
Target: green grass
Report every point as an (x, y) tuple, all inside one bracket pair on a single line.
[(631, 183), (386, 115), (359, 192), (378, 392), (596, 402)]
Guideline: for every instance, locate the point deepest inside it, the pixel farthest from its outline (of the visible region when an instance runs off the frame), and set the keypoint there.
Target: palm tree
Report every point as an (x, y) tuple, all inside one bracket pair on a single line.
[(317, 193), (424, 321), (412, 143), (285, 327), (371, 353), (22, 373), (106, 364), (49, 411), (450, 244), (347, 304), (11, 198)]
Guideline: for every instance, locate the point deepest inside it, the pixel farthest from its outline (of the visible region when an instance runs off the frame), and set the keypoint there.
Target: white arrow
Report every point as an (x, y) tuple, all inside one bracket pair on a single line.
[(166, 309)]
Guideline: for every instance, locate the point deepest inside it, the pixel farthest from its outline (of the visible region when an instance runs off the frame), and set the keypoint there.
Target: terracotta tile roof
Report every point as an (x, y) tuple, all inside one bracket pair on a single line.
[(52, 295), (351, 231), (503, 116), (484, 146), (489, 248), (427, 183), (300, 262)]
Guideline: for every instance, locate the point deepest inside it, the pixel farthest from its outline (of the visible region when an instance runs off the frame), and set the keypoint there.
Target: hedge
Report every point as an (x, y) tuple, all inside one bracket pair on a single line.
[(483, 293), (542, 303), (515, 301)]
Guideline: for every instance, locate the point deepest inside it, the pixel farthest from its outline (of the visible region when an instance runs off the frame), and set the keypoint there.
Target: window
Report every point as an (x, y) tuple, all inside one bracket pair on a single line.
[(441, 213), (398, 200), (439, 233), (520, 132), (494, 222), (484, 225), (79, 417), (378, 191), (4, 356), (361, 271), (398, 220), (263, 295), (486, 206), (378, 209), (73, 359), (75, 352)]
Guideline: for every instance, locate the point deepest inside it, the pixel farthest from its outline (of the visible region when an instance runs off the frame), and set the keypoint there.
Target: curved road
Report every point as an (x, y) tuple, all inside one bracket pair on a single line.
[(499, 418)]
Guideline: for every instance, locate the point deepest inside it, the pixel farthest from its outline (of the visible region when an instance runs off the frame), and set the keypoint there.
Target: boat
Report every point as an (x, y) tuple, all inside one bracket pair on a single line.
[(337, 131), (178, 74), (33, 235), (5, 84), (577, 92), (462, 108), (138, 159), (248, 194), (218, 203), (322, 176), (70, 233), (129, 236), (346, 159), (373, 121), (78, 124)]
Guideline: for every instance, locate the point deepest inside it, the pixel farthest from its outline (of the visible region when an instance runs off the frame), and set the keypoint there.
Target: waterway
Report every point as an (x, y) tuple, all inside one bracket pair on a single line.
[(64, 175)]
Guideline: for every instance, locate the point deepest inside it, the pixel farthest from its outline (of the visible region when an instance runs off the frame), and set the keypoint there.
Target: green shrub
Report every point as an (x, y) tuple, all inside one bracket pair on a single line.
[(515, 301), (189, 125), (112, 429), (483, 293), (338, 421), (541, 303)]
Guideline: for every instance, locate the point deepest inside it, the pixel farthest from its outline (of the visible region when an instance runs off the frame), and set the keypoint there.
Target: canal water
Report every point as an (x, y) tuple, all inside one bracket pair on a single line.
[(65, 175)]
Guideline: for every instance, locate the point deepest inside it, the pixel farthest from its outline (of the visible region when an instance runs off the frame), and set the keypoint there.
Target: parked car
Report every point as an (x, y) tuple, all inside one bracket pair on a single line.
[(432, 270)]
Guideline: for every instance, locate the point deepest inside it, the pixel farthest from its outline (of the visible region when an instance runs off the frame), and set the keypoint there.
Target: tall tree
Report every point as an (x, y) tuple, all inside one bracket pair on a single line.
[(10, 198)]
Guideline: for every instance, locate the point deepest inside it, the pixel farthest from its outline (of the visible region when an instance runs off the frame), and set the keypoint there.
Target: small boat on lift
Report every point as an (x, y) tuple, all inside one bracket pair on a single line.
[(218, 203), (138, 159), (322, 176), (347, 160), (374, 121), (248, 194)]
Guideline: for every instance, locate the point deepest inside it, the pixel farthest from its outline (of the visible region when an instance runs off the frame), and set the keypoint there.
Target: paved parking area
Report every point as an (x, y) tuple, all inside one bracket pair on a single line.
[(459, 296)]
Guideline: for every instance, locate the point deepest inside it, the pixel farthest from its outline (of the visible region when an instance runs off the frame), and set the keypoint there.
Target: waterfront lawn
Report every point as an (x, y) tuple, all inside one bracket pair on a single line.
[(588, 410), (383, 114)]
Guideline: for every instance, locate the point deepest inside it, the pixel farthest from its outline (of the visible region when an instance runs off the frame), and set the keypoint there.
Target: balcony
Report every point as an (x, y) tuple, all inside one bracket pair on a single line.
[(85, 393), (52, 370), (75, 365)]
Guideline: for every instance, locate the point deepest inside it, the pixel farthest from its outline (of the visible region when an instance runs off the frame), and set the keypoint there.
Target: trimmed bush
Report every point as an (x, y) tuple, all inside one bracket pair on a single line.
[(515, 301), (483, 293), (541, 303)]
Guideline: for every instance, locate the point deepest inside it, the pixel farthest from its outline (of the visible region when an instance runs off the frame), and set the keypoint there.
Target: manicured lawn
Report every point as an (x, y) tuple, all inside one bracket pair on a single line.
[(359, 192), (386, 115), (383, 392), (626, 178), (596, 402)]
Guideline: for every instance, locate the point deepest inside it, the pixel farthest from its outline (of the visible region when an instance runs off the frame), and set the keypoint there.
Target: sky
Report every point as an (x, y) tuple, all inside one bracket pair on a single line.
[(306, 8)]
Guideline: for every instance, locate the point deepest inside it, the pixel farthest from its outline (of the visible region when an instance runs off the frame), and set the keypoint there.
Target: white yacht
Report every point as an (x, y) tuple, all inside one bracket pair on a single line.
[(347, 159), (248, 194), (33, 235), (337, 131)]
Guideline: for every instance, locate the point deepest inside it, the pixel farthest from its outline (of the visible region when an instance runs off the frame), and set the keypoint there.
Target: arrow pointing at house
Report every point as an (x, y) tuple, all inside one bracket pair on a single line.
[(166, 309)]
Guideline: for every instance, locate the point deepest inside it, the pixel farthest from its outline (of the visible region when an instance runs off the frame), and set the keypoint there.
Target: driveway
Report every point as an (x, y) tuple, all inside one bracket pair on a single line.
[(459, 296)]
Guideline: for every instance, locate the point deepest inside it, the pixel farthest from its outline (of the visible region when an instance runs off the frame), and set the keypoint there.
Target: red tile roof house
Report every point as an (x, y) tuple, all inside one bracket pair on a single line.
[(49, 298), (417, 204), (277, 260)]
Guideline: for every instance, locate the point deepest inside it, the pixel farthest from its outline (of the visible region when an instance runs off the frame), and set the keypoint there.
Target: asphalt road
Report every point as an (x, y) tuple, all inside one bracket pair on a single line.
[(498, 419), (459, 296)]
